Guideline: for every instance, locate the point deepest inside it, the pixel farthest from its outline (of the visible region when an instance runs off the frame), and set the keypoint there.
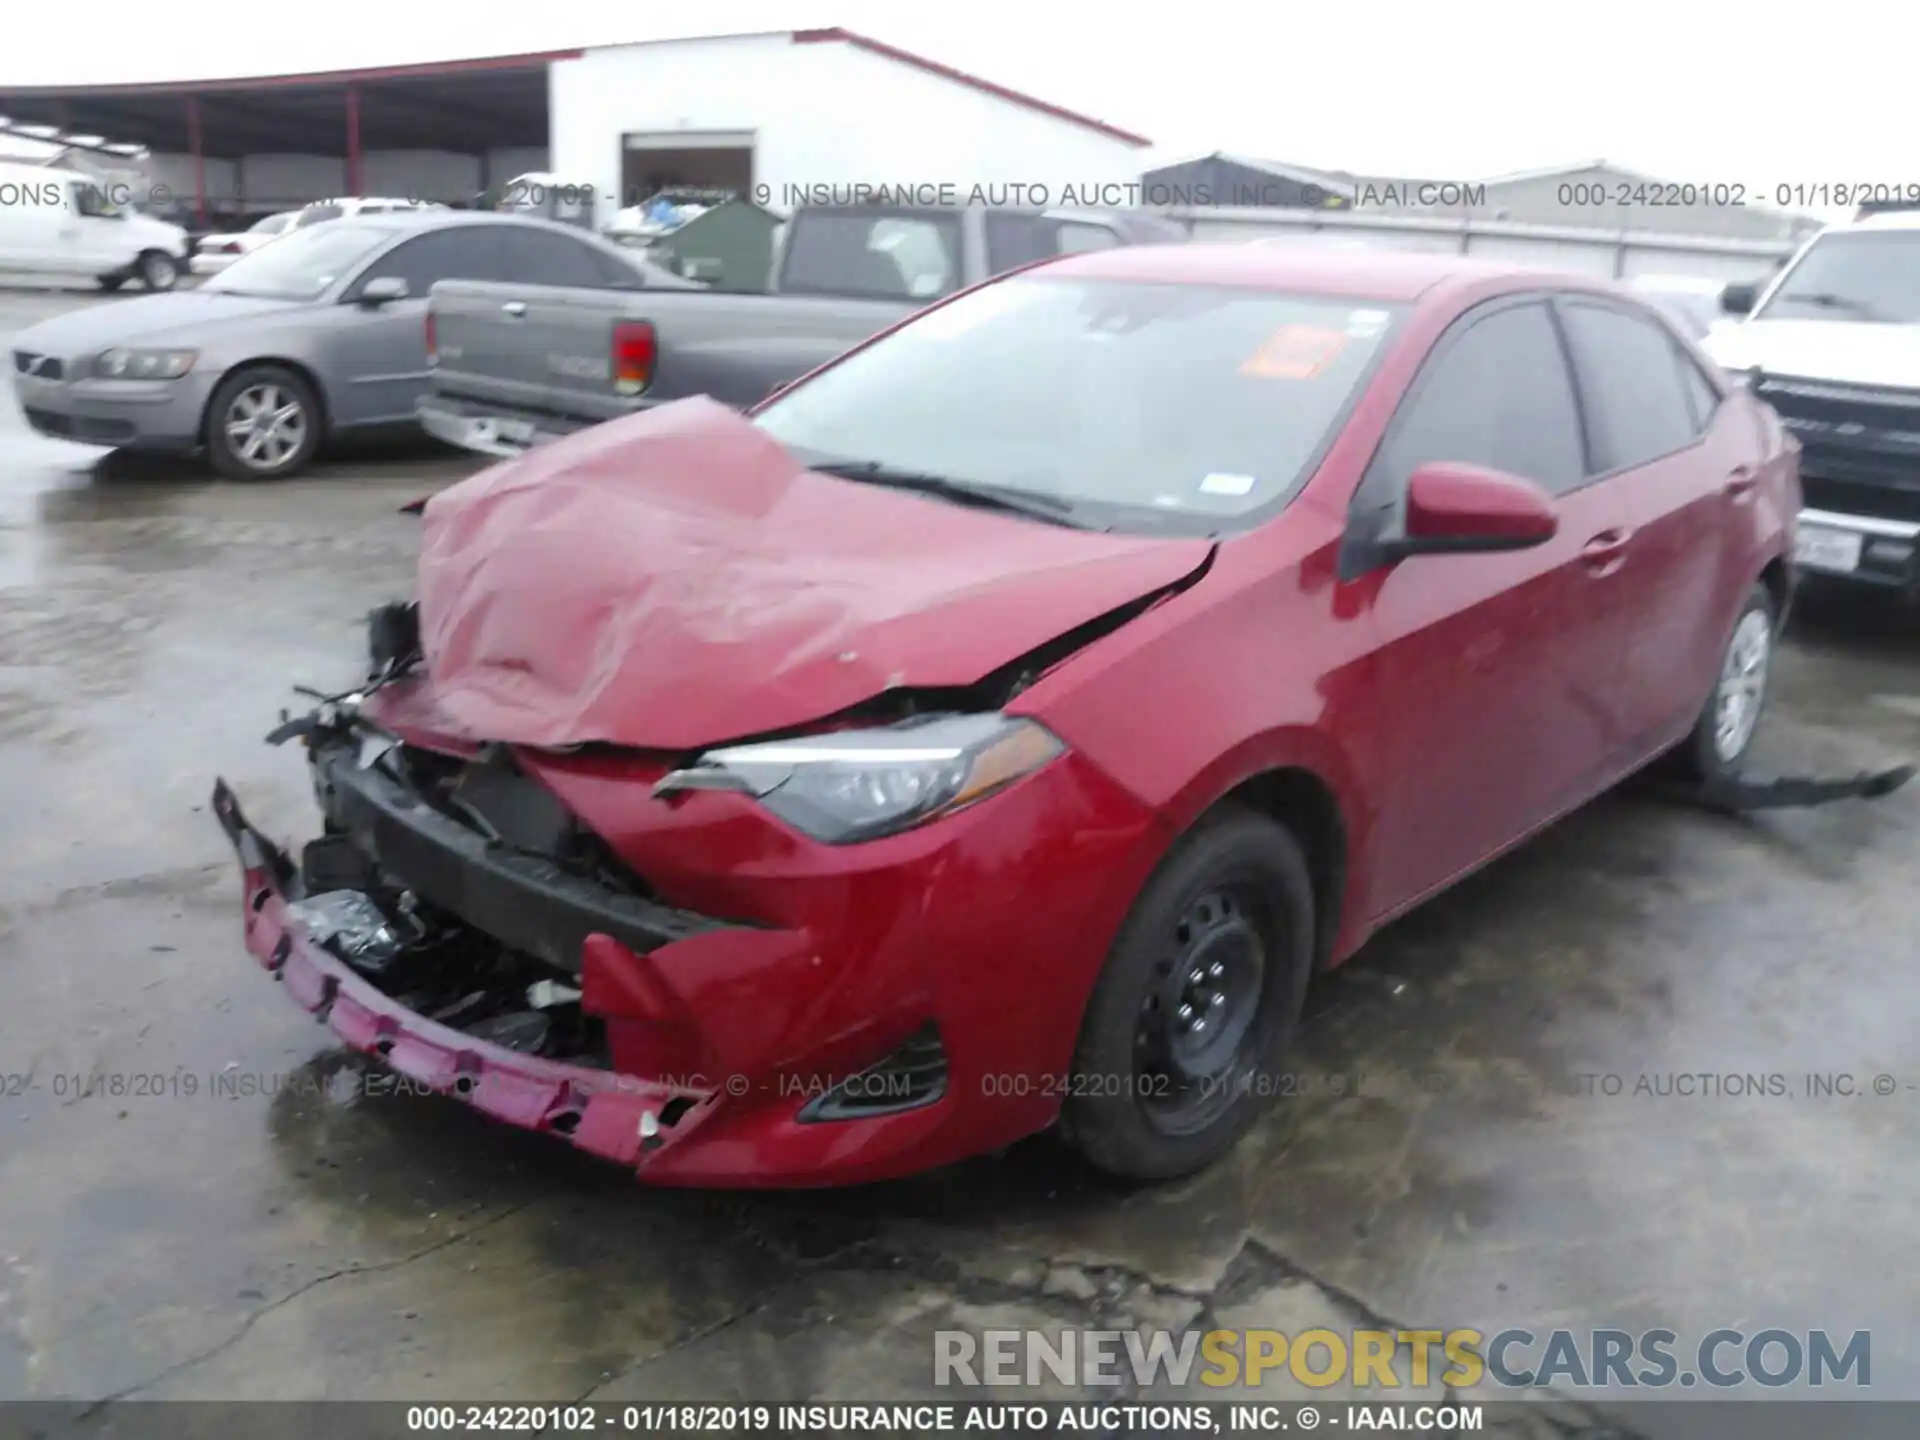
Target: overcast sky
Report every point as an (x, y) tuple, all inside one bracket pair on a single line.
[(1468, 88)]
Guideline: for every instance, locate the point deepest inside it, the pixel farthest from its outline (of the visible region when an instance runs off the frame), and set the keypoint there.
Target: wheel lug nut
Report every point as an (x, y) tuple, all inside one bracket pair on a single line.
[(1199, 1025), (1216, 970), (1216, 1001), (1186, 1012)]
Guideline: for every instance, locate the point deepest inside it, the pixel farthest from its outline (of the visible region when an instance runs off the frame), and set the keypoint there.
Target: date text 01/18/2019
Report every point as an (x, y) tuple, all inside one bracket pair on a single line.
[(1088, 1084)]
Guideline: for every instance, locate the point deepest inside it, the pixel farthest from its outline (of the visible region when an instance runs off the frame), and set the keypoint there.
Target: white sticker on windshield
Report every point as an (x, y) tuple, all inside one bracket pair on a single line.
[(1221, 484), (1365, 324)]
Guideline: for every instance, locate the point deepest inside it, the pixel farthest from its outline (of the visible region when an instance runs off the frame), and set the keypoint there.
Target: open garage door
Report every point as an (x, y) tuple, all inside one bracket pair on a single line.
[(687, 163)]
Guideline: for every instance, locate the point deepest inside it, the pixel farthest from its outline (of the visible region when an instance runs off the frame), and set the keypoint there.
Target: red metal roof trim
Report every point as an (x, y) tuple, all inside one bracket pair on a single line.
[(421, 71), (961, 77)]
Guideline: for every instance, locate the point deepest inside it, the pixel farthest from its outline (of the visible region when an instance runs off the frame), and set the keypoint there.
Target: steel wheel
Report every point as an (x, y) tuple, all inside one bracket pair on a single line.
[(1743, 685), (1191, 1032), (1197, 1001), (266, 426)]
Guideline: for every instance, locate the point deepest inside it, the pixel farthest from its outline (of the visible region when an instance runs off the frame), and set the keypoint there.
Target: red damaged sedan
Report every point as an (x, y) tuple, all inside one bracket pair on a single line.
[(998, 727)]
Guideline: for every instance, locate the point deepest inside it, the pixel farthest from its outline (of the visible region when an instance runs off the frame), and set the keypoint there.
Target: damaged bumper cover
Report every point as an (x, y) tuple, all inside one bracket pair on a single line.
[(681, 1126)]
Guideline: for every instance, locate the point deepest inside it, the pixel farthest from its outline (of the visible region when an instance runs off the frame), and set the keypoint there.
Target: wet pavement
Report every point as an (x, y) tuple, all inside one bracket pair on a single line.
[(200, 1197)]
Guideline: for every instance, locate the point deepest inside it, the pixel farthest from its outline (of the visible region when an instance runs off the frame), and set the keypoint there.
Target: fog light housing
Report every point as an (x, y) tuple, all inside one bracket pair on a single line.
[(913, 1076)]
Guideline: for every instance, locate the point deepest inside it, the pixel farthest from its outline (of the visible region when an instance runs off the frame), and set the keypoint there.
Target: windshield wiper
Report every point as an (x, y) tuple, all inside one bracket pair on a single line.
[(1828, 300), (963, 492)]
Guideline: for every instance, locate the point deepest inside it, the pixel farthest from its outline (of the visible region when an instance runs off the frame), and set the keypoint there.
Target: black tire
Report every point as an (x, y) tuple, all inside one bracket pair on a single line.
[(111, 283), (157, 270), (229, 454), (1133, 1109), (1707, 755)]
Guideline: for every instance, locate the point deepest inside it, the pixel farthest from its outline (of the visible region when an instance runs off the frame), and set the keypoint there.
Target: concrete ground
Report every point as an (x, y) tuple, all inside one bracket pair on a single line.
[(293, 1236)]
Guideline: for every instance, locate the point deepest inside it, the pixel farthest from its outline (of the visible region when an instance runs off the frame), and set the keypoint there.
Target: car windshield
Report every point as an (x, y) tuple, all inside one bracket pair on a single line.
[(1867, 275), (303, 264), (1192, 403)]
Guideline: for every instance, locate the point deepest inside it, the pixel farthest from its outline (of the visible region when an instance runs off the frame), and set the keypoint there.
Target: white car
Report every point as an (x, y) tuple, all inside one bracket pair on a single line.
[(216, 252), (61, 224), (354, 206)]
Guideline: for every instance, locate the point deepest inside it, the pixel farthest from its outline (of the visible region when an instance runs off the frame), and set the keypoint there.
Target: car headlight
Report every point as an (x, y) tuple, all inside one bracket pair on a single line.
[(856, 785), (124, 364)]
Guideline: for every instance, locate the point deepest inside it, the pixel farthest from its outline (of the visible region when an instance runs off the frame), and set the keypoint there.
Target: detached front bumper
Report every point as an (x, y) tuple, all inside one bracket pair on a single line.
[(720, 1100)]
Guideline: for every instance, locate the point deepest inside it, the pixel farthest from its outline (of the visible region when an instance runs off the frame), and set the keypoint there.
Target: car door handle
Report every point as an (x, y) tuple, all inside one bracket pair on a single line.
[(1605, 552), (1742, 480), (515, 308)]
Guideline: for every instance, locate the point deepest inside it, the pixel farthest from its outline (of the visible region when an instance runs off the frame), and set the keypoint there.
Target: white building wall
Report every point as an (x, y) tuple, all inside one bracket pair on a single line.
[(290, 179), (173, 176), (503, 165), (419, 174), (822, 114)]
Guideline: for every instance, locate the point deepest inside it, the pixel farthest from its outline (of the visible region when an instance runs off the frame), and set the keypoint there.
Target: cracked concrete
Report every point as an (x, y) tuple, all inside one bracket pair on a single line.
[(274, 1229)]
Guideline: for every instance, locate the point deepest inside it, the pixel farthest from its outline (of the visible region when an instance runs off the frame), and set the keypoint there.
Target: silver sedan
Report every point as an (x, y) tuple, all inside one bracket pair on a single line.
[(321, 333)]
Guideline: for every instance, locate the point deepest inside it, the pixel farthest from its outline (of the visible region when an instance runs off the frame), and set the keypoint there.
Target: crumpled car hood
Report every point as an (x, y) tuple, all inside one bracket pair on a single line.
[(677, 579)]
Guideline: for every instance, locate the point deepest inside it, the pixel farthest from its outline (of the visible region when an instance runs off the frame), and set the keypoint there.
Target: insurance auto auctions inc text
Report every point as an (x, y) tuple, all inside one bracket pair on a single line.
[(1120, 194), (1392, 1359)]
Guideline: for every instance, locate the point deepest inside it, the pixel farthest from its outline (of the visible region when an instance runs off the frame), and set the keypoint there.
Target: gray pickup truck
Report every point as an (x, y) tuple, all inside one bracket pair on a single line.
[(517, 365)]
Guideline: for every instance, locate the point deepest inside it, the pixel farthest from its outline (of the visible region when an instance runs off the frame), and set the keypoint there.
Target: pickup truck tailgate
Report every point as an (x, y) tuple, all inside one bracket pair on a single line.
[(527, 348)]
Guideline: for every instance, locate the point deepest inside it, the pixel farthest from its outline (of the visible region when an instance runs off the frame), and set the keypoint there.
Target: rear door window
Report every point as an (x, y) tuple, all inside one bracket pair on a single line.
[(465, 252), (873, 255), (1495, 394), (1629, 370)]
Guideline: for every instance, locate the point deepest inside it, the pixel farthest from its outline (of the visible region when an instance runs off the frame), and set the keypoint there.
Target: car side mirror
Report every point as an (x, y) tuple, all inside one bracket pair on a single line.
[(1738, 299), (382, 290), (1450, 508), (1454, 509)]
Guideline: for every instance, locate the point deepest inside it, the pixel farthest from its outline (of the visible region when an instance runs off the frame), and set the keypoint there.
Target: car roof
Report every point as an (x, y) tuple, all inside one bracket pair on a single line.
[(1890, 220), (1385, 275)]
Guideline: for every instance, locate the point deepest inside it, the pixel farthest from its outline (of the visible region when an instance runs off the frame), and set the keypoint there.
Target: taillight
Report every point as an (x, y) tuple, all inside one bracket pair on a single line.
[(433, 341), (635, 349)]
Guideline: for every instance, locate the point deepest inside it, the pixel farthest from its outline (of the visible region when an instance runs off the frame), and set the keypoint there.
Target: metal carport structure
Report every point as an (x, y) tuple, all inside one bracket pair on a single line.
[(466, 107)]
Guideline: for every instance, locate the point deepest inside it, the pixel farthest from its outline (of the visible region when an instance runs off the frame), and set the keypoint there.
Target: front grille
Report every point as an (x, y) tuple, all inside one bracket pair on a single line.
[(89, 428), (43, 367), (493, 797), (912, 1076), (529, 902), (1874, 500)]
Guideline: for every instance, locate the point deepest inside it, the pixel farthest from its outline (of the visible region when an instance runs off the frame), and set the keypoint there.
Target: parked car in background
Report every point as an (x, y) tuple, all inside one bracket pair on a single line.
[(320, 334), (354, 207), (999, 726), (842, 273), (215, 253), (61, 225), (546, 196), (1833, 344)]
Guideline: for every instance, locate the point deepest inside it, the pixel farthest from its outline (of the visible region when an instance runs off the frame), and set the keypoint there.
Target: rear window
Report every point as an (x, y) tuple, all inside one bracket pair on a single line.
[(1190, 404), (872, 255)]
